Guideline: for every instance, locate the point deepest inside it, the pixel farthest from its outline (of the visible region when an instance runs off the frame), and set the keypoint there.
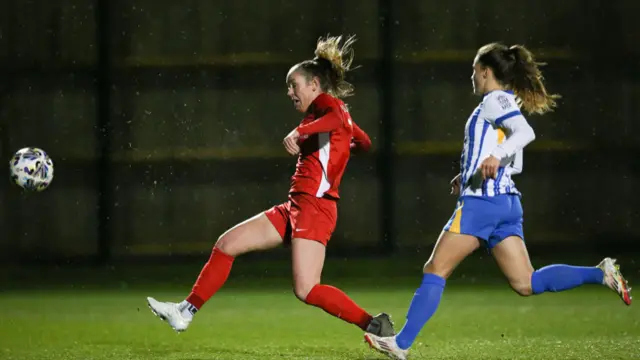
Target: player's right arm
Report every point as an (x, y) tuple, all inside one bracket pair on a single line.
[(330, 121), (331, 117)]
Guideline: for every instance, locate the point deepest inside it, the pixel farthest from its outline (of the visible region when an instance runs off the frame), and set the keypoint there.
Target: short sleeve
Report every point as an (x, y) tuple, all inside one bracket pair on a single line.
[(500, 106)]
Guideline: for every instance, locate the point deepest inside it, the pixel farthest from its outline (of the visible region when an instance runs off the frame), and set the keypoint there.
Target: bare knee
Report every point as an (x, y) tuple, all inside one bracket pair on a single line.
[(301, 289), (433, 266), (450, 250), (308, 261), (225, 244), (522, 285), (253, 234)]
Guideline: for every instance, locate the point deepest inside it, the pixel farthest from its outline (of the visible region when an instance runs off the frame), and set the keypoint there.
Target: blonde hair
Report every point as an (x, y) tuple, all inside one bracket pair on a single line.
[(331, 64), (515, 67)]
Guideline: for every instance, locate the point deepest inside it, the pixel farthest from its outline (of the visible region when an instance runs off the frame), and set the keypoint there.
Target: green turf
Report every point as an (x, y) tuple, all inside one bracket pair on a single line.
[(473, 322)]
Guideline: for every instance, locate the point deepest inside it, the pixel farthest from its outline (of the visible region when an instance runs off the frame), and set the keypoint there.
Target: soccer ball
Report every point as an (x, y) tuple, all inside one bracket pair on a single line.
[(31, 169)]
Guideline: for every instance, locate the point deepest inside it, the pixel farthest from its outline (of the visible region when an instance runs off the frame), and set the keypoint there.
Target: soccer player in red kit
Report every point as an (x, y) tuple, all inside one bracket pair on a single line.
[(323, 143)]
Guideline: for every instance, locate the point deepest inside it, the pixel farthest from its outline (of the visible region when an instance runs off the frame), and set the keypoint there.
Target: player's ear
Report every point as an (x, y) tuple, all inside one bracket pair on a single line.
[(315, 83), (487, 72)]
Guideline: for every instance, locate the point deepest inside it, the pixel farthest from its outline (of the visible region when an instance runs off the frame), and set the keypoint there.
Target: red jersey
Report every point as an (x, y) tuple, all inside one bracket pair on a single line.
[(327, 137)]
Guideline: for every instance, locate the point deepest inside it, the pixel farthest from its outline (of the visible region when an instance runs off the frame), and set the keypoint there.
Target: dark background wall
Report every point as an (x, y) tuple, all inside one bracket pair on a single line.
[(165, 119)]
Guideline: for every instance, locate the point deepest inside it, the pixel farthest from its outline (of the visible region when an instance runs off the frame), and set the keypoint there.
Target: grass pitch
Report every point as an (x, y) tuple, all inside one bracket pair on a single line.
[(254, 321)]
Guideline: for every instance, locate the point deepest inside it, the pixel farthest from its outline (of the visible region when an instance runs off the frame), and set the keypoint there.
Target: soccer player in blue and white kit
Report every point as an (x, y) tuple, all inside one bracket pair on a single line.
[(488, 209)]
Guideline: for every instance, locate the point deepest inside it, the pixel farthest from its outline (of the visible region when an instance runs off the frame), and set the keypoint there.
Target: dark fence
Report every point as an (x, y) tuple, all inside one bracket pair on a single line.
[(165, 119)]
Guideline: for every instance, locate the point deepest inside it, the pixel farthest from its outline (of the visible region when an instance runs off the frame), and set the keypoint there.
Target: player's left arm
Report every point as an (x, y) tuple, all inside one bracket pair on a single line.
[(517, 163), (505, 114), (360, 141), (519, 134)]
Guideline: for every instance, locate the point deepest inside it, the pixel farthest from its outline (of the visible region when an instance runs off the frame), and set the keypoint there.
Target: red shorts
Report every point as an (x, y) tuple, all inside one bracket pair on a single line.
[(304, 216)]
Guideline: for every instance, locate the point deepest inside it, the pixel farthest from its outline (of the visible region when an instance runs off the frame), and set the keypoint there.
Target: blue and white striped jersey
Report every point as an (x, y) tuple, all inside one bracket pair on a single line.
[(485, 132)]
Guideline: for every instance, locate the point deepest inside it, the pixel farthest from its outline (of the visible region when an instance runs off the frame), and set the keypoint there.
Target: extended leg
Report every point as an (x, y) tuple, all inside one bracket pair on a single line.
[(449, 251), (257, 233)]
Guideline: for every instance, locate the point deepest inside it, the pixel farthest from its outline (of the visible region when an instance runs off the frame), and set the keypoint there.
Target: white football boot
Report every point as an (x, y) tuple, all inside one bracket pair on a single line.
[(387, 346), (169, 312), (613, 279)]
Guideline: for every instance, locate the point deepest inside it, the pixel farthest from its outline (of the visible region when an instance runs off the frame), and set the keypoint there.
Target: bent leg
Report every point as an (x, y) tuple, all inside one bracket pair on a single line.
[(308, 260), (513, 259)]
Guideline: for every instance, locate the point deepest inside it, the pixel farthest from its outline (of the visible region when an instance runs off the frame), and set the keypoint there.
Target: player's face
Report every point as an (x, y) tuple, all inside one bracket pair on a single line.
[(478, 77), (301, 90)]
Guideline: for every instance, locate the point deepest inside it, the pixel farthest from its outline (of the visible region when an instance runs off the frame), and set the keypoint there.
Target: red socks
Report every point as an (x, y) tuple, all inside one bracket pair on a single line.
[(330, 299), (213, 275), (338, 304)]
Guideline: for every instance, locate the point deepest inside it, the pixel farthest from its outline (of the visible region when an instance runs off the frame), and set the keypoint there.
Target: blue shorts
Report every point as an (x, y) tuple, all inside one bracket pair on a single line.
[(489, 218)]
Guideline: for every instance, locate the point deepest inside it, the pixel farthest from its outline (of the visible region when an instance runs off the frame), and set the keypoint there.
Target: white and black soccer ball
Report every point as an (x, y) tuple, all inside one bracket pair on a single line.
[(31, 169)]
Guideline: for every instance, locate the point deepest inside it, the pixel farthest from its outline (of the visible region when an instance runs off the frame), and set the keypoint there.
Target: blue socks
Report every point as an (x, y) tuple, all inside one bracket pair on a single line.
[(427, 297), (423, 306), (556, 278)]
